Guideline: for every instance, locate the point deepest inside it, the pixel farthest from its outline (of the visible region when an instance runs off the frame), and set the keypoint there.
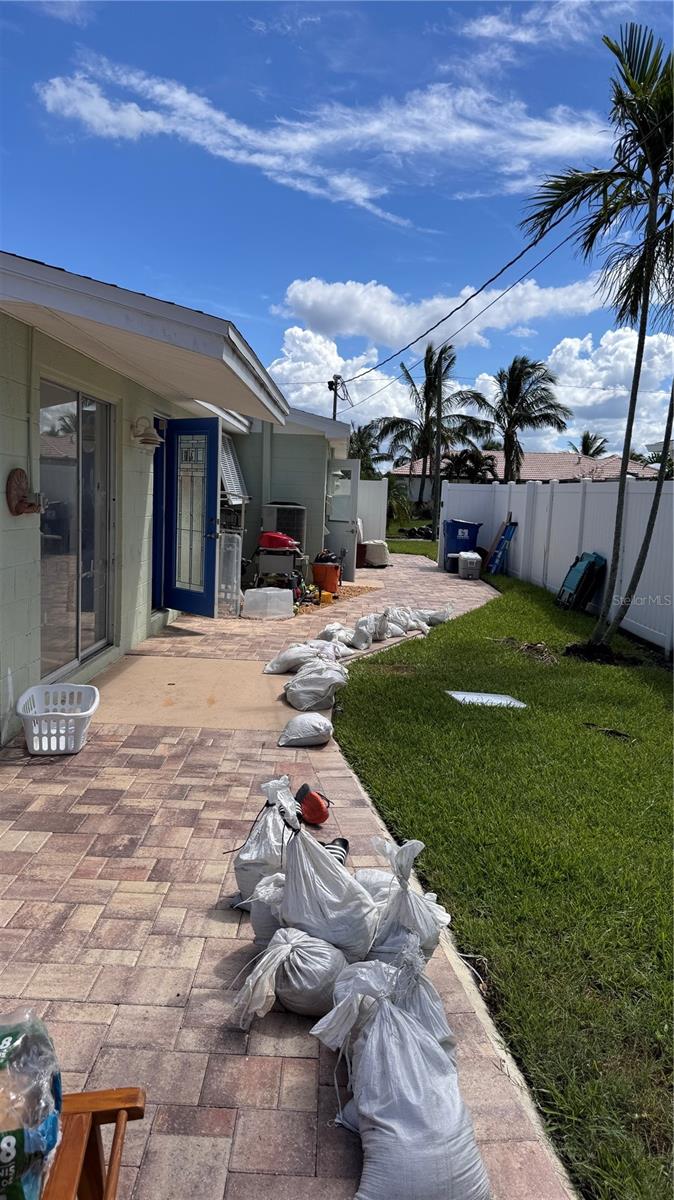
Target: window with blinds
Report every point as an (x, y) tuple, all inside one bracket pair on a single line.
[(233, 485)]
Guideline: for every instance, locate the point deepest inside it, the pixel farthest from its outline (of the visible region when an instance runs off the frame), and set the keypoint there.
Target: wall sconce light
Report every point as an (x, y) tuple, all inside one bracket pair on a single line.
[(144, 434)]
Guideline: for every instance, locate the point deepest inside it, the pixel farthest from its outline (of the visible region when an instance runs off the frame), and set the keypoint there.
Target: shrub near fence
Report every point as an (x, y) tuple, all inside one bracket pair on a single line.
[(557, 521)]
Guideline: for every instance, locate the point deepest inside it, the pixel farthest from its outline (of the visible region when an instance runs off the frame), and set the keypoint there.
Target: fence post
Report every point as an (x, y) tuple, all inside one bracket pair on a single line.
[(621, 562), (528, 531), (584, 484), (546, 554), (441, 523)]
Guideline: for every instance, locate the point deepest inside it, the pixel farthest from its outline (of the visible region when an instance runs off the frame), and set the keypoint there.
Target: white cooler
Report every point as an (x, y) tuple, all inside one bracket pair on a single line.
[(470, 564)]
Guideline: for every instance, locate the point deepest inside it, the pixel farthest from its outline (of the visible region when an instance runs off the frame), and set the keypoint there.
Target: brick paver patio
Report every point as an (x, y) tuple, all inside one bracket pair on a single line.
[(115, 868)]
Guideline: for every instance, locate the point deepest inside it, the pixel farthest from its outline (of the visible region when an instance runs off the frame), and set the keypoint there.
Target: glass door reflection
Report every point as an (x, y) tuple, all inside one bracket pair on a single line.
[(75, 438), (59, 523)]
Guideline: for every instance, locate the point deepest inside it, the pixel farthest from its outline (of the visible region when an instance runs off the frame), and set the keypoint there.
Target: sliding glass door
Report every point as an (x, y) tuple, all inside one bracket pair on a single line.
[(75, 474)]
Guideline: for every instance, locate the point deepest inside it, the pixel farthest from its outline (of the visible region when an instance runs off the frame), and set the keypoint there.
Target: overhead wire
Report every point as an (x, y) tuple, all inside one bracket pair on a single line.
[(465, 325)]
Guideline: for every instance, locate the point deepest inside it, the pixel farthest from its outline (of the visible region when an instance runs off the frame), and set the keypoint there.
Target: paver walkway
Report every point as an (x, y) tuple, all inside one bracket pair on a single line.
[(115, 866)]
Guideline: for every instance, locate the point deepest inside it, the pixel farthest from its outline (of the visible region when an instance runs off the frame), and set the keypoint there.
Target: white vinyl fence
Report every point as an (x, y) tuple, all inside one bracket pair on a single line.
[(557, 521), (372, 505)]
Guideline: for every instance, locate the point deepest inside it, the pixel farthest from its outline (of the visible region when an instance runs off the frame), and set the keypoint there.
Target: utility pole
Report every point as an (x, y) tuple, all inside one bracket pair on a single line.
[(438, 446), (333, 386)]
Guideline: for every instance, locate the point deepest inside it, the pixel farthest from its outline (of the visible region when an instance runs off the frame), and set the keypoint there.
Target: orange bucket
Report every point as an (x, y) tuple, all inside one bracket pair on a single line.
[(326, 576)]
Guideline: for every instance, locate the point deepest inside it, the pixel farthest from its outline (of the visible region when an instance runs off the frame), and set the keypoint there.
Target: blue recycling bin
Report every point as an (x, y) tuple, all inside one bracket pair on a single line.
[(458, 536)]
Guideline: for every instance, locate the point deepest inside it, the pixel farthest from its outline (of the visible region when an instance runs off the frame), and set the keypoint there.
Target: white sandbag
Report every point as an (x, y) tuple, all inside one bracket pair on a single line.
[(436, 616), (293, 657), (362, 636), (335, 632), (403, 981), (417, 1136), (369, 629), (336, 649), (262, 851), (263, 921), (298, 969), (323, 899), (315, 685), (401, 909), (307, 729), (398, 615), (393, 630), (406, 618), (416, 621), (265, 903)]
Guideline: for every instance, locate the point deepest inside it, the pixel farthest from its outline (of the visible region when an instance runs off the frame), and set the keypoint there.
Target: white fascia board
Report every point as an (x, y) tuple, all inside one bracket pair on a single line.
[(24, 281)]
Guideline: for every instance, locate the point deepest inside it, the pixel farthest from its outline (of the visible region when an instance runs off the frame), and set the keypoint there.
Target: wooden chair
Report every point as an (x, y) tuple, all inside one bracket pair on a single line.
[(79, 1172)]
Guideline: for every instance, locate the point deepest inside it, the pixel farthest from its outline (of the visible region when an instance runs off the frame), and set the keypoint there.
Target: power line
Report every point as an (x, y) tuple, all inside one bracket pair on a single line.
[(466, 323), (463, 303)]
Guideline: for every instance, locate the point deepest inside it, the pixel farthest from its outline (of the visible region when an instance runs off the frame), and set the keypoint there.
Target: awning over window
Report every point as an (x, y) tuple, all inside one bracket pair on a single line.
[(231, 477)]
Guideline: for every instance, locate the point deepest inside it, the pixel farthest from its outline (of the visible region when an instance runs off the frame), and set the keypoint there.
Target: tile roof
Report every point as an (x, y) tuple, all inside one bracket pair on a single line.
[(559, 464)]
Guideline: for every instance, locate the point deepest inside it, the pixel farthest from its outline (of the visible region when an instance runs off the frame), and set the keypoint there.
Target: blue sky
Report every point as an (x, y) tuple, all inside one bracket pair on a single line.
[(331, 176)]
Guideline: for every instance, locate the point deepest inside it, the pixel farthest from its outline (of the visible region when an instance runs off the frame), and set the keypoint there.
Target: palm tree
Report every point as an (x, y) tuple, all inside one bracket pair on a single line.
[(398, 508), (592, 445), (470, 465), (631, 196), (655, 460), (364, 444), (524, 400), (417, 434)]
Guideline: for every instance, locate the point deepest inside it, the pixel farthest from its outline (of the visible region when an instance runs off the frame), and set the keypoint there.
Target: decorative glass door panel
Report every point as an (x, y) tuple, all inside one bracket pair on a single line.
[(191, 515), (191, 511)]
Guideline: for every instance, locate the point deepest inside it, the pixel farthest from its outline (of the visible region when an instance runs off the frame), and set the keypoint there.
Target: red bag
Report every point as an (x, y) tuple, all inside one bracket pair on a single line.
[(314, 806), (276, 541)]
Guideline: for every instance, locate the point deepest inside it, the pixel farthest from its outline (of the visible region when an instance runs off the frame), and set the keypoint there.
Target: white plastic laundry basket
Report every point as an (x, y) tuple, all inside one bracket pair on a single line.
[(56, 716)]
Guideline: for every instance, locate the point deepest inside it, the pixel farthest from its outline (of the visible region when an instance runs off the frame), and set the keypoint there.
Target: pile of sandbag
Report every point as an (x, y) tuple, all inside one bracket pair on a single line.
[(319, 673), (352, 950), (418, 1138), (393, 622)]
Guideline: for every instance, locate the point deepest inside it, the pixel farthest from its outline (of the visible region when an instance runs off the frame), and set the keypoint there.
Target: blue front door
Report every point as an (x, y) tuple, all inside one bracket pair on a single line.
[(192, 515)]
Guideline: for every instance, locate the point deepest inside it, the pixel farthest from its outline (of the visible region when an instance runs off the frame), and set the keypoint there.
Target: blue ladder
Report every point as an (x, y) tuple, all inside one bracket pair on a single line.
[(497, 561)]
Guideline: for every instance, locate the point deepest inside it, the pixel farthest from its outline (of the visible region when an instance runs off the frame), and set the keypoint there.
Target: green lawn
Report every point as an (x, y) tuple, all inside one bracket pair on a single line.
[(549, 842), (398, 545), (406, 546)]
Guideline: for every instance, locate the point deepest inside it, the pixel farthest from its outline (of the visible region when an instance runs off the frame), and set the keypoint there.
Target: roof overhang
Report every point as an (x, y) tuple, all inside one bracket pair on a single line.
[(337, 433), (177, 353)]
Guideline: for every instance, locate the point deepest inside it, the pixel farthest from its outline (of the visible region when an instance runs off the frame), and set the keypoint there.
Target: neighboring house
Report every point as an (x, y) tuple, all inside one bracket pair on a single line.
[(562, 465), (128, 535)]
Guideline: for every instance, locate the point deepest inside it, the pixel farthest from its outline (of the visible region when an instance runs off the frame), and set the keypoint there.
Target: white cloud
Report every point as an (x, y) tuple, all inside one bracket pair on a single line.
[(72, 12), (595, 382), (308, 359), (522, 331), (340, 153), (550, 22), (286, 23), (372, 310), (584, 368)]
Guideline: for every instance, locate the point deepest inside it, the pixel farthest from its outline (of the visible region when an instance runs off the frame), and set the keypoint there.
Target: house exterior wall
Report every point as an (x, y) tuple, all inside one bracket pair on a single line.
[(26, 356), (298, 474)]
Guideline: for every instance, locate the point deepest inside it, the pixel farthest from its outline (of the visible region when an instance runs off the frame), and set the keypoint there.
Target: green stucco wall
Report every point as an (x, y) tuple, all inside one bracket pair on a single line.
[(26, 356), (298, 466)]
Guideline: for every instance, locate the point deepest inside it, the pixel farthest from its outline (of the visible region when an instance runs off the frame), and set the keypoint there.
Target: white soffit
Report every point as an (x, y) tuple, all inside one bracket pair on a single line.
[(178, 353)]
